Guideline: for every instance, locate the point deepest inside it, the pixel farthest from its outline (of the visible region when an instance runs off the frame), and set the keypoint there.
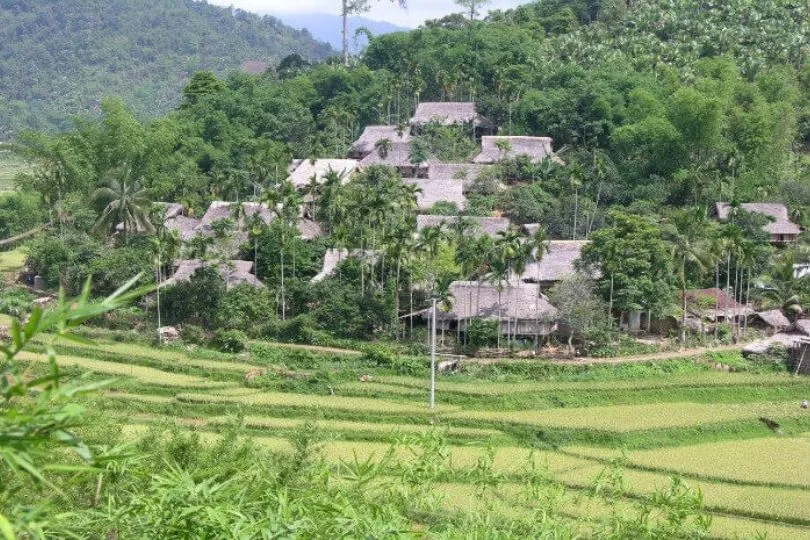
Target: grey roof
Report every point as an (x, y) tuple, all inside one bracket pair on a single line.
[(467, 173), (486, 225), (185, 226), (713, 303), (775, 319), (171, 211), (367, 141), (537, 148), (220, 210), (471, 299), (333, 257), (434, 191), (233, 272), (778, 212), (306, 169), (557, 263), (398, 156), (448, 113), (803, 326)]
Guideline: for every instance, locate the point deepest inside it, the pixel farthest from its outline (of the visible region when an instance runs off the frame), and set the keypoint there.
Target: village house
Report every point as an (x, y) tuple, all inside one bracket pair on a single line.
[(780, 229), (438, 191), (519, 309), (555, 265), (233, 272), (489, 226), (451, 114), (466, 173), (495, 149), (367, 142), (333, 257), (398, 157), (304, 171), (772, 321)]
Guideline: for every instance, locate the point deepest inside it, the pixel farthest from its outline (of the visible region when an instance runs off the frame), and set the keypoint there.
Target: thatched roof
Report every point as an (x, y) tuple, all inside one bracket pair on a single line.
[(471, 299), (185, 226), (486, 225), (333, 257), (171, 211), (537, 148), (774, 319), (557, 263), (233, 272), (803, 326), (220, 210), (434, 191), (713, 303), (399, 156), (780, 218), (466, 173), (306, 169), (448, 113), (789, 341), (371, 135)]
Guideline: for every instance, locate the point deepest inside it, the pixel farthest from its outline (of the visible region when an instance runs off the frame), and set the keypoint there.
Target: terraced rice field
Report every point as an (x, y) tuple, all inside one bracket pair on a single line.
[(752, 479)]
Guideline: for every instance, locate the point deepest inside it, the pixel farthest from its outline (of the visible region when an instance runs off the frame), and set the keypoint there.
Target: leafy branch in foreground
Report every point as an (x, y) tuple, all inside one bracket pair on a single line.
[(29, 427)]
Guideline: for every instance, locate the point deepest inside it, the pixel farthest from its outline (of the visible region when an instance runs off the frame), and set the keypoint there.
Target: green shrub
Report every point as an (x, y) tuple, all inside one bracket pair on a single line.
[(193, 334), (265, 354), (300, 329), (229, 341), (15, 302), (481, 333), (382, 357)]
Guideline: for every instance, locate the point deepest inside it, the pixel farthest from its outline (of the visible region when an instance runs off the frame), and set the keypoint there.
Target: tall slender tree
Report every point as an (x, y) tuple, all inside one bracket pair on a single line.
[(125, 203), (356, 7)]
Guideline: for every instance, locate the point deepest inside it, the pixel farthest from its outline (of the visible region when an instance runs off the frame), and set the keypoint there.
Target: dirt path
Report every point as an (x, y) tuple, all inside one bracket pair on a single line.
[(655, 357)]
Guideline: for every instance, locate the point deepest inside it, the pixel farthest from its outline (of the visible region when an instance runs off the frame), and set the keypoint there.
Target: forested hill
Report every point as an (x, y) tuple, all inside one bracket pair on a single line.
[(60, 58)]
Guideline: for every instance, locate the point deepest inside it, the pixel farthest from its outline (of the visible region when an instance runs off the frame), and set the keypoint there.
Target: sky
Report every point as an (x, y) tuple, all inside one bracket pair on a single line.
[(382, 10)]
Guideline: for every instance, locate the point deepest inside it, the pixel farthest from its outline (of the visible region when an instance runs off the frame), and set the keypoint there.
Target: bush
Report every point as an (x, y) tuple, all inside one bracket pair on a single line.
[(15, 302), (265, 354), (382, 357), (481, 333), (301, 329), (241, 307), (193, 334), (230, 341)]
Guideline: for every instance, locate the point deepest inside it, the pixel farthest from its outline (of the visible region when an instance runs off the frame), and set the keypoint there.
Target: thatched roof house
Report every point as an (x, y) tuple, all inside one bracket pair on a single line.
[(367, 142), (490, 226), (714, 305), (466, 173), (398, 157), (780, 228), (773, 320), (436, 191), (555, 265), (185, 226), (536, 148), (333, 257), (220, 210), (449, 114), (520, 309), (319, 168), (803, 326), (171, 213), (233, 272)]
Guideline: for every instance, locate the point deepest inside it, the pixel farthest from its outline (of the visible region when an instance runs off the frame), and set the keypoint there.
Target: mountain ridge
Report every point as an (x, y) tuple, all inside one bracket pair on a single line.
[(328, 28), (60, 59)]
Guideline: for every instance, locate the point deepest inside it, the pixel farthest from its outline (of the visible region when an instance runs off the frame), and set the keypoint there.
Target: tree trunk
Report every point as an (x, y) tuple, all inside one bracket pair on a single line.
[(345, 14), (716, 299), (683, 299), (610, 303), (747, 299), (283, 295)]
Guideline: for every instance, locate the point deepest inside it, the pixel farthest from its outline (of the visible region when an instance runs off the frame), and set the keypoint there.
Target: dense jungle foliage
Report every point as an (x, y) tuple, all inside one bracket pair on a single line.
[(60, 59)]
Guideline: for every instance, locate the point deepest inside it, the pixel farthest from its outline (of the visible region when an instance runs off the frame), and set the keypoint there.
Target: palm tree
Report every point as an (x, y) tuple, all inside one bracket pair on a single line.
[(124, 203), (685, 250), (785, 290), (383, 147), (539, 246), (498, 274), (284, 202), (510, 248)]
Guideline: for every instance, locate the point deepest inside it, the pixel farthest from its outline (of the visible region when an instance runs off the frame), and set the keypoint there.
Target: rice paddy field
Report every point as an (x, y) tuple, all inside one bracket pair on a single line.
[(578, 425), (10, 167)]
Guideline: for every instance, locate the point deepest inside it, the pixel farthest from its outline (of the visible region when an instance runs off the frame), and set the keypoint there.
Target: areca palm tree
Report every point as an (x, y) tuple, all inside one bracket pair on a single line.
[(284, 202), (685, 250), (125, 203), (383, 147)]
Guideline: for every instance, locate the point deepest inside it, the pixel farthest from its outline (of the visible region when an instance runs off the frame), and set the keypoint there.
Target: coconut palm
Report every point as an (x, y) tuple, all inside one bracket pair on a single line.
[(124, 202), (383, 147), (784, 290)]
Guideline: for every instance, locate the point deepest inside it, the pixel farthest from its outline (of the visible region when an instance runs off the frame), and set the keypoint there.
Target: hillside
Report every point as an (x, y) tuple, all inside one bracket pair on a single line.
[(60, 59), (327, 27)]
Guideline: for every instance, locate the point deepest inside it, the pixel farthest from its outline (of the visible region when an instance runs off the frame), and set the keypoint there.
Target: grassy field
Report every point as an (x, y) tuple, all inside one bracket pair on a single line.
[(700, 424)]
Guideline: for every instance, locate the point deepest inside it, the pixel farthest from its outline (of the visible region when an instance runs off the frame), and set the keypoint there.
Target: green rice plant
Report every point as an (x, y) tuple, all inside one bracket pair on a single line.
[(140, 398), (315, 402), (696, 380), (766, 461), (140, 373), (166, 356), (626, 418), (376, 388)]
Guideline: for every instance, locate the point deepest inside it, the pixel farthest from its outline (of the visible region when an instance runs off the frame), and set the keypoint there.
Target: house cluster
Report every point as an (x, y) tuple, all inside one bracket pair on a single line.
[(521, 308)]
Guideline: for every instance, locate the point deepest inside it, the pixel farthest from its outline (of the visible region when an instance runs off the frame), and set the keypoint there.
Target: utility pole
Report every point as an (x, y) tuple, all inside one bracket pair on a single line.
[(433, 357)]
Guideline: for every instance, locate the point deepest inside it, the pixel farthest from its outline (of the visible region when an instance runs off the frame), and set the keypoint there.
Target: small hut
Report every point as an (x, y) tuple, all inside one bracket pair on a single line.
[(438, 191), (367, 142), (449, 113), (233, 272), (780, 229), (495, 149), (773, 321), (307, 169), (555, 265), (489, 226), (398, 157)]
